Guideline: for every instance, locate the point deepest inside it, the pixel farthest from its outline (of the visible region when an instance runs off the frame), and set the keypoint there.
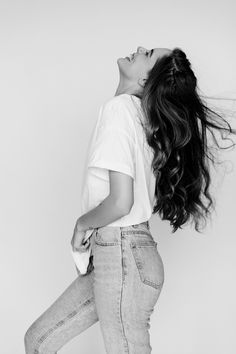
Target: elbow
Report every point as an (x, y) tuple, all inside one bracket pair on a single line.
[(124, 205)]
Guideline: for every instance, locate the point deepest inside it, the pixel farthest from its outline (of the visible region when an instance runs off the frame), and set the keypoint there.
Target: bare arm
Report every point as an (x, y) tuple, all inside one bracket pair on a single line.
[(117, 204)]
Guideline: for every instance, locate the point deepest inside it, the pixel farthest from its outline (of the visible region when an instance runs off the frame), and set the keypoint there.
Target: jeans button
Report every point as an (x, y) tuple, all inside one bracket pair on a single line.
[(135, 225)]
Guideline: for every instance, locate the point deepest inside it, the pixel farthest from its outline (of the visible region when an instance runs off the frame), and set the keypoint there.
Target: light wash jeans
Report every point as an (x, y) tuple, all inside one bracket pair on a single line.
[(120, 289)]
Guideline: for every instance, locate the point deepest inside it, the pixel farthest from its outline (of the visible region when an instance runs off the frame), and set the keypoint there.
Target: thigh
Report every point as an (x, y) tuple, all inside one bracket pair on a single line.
[(144, 272), (72, 313), (143, 281), (127, 285), (108, 288)]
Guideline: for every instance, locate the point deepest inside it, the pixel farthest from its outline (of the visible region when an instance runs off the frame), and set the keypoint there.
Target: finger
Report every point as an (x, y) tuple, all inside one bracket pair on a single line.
[(80, 248), (85, 242)]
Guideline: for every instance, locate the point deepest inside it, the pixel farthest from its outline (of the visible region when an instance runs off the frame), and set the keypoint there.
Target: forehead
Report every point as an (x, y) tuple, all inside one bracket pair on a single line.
[(158, 52)]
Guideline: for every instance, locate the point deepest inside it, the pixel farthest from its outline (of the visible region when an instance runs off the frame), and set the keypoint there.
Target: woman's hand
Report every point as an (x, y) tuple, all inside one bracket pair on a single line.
[(77, 239)]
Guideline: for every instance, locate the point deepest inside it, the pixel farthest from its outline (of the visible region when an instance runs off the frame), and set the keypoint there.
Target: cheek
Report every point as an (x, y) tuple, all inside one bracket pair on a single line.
[(138, 68)]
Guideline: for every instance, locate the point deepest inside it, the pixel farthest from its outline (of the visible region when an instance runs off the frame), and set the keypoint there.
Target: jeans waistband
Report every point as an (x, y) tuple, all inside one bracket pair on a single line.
[(144, 223), (127, 228)]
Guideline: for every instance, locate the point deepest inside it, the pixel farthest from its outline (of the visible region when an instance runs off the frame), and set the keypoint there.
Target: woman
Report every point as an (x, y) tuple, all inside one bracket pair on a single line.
[(148, 154)]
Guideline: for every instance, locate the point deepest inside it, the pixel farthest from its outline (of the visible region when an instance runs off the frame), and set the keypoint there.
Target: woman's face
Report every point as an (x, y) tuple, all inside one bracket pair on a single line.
[(139, 63)]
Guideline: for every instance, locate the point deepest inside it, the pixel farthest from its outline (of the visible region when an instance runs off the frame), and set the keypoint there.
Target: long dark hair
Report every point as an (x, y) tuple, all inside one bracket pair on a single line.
[(177, 123)]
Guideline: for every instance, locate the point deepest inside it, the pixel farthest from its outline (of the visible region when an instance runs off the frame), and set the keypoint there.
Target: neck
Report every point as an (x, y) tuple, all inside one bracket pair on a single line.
[(127, 87)]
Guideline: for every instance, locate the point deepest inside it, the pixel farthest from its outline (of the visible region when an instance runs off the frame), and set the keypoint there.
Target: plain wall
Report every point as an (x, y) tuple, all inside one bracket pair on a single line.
[(58, 65)]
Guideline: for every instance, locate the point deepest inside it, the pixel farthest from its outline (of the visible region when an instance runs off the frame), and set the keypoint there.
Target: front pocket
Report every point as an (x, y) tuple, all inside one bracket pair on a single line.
[(106, 237), (149, 263)]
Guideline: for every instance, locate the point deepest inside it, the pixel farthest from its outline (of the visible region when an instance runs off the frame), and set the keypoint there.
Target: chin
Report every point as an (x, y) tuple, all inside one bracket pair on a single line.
[(123, 67), (122, 61)]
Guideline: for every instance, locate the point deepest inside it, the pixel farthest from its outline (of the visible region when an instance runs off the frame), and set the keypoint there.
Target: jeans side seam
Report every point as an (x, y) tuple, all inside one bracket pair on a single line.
[(51, 330), (120, 305)]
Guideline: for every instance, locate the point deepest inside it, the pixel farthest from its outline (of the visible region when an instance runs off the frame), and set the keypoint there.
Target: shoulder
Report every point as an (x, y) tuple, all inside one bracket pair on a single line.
[(116, 102), (116, 112)]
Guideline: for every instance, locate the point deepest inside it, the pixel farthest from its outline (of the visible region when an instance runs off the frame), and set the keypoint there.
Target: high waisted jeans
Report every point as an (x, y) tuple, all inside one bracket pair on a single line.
[(120, 289)]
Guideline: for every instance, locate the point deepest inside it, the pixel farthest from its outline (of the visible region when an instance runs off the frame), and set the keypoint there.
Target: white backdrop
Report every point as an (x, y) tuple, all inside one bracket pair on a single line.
[(57, 66)]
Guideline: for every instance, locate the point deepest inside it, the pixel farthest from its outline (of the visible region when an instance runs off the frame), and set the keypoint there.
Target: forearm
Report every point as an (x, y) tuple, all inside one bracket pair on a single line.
[(105, 213)]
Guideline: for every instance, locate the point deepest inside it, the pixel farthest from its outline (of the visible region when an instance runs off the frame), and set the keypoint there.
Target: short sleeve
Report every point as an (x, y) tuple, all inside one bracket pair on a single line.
[(114, 144)]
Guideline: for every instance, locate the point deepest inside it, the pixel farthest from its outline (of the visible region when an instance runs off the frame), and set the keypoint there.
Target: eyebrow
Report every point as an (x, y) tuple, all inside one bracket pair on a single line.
[(151, 52)]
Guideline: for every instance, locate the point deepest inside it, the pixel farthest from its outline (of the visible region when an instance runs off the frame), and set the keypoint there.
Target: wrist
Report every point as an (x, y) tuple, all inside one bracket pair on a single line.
[(81, 226)]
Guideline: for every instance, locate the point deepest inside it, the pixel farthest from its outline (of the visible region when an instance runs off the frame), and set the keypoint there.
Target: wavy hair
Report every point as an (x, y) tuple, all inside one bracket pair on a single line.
[(177, 121)]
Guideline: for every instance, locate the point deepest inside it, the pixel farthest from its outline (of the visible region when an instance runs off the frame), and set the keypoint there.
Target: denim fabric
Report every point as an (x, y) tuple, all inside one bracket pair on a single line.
[(120, 289)]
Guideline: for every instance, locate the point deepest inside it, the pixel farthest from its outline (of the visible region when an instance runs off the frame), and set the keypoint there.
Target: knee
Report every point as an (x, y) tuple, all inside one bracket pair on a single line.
[(29, 340)]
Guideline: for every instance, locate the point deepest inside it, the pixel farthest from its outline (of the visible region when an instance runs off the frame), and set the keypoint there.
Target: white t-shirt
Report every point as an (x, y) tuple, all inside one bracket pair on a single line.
[(118, 143)]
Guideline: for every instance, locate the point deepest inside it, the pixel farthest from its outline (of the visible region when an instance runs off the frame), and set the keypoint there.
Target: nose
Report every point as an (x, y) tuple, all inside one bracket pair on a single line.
[(141, 49)]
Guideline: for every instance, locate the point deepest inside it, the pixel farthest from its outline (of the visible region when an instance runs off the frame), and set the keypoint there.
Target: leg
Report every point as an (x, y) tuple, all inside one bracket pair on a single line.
[(128, 281), (72, 313), (142, 285)]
